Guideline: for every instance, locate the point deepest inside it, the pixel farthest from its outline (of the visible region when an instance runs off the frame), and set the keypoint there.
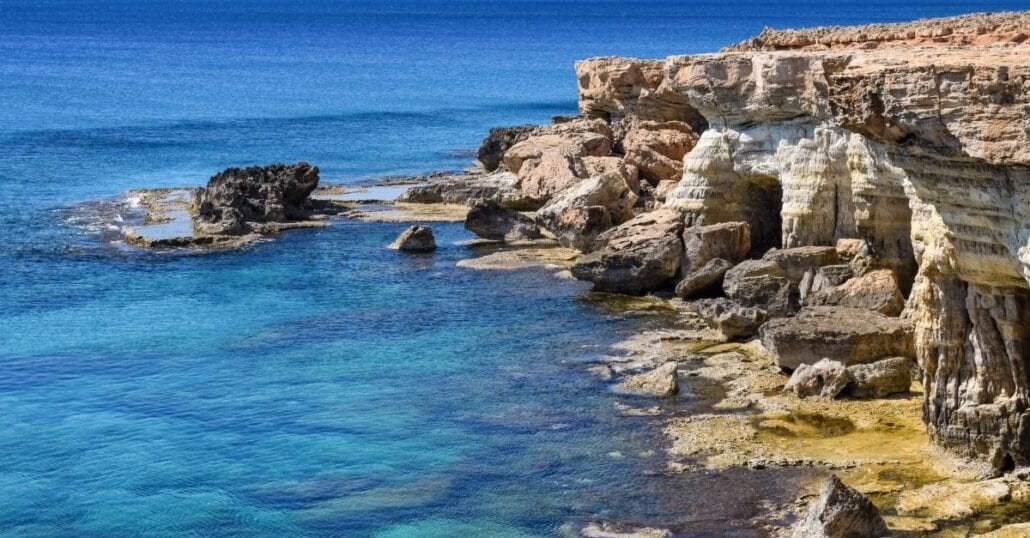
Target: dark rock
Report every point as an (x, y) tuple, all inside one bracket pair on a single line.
[(415, 239), (638, 256), (238, 198), (830, 276), (796, 262), (841, 512), (705, 280), (761, 284), (730, 241), (491, 220), (491, 150)]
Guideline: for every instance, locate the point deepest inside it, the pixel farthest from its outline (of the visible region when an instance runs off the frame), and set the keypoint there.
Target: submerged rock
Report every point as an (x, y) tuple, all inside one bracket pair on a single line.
[(661, 381), (237, 199), (849, 335), (640, 255), (415, 239), (490, 220), (611, 530), (841, 512)]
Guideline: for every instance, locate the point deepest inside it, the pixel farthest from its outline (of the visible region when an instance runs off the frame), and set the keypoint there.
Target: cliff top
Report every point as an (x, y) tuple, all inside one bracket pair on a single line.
[(973, 29)]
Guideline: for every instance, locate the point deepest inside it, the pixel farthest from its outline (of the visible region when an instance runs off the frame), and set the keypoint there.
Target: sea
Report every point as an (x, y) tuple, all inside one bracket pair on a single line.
[(319, 384)]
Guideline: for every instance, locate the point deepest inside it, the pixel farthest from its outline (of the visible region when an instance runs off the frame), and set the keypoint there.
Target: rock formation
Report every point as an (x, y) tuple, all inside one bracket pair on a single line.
[(910, 139), (415, 238), (238, 199), (841, 512)]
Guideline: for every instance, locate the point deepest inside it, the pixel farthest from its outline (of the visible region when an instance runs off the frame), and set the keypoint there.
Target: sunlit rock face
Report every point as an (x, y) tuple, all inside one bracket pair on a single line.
[(913, 137)]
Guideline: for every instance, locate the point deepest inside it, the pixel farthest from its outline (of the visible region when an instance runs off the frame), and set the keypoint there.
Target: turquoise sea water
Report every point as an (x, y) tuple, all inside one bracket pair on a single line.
[(319, 384)]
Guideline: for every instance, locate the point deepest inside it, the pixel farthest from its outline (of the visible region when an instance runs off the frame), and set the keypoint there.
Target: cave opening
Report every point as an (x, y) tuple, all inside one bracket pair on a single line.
[(763, 207)]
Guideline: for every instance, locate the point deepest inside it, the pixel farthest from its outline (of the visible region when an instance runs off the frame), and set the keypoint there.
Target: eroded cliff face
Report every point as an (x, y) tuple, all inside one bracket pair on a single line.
[(915, 138)]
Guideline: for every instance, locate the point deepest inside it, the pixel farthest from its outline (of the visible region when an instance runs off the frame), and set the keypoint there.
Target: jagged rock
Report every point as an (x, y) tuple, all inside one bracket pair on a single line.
[(491, 220), (796, 262), (876, 290), (703, 280), (856, 253), (415, 239), (730, 318), (465, 189), (826, 379), (576, 144), (849, 335), (640, 255), (841, 512), (661, 381), (881, 378), (730, 241), (596, 166), (579, 214), (500, 139), (761, 284), (554, 171), (237, 198), (830, 276), (657, 149)]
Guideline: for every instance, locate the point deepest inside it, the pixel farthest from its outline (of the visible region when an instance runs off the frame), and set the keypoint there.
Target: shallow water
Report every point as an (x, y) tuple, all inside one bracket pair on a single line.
[(318, 383)]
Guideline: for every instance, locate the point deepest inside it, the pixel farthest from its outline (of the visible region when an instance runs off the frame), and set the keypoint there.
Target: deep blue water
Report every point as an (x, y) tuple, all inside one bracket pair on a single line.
[(318, 384)]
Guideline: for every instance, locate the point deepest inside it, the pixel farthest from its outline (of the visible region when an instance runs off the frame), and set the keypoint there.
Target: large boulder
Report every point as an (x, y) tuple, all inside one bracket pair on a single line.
[(501, 187), (876, 290), (730, 241), (578, 144), (849, 335), (500, 139), (554, 171), (579, 214), (661, 382), (596, 166), (237, 198), (841, 512), (798, 261), (657, 148), (731, 319), (761, 284), (491, 220), (706, 280), (881, 378), (826, 379), (638, 256), (415, 239), (831, 275)]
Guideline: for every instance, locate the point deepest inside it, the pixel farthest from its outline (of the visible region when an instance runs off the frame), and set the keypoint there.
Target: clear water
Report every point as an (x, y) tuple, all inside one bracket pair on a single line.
[(319, 384)]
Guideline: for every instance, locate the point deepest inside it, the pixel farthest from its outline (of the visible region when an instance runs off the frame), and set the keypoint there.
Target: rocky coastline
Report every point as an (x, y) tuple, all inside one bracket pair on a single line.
[(838, 218)]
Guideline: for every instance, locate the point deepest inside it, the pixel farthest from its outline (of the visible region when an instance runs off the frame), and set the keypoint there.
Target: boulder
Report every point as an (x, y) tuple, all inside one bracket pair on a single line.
[(415, 239), (554, 171), (237, 198), (730, 241), (826, 379), (849, 335), (876, 290), (660, 382), (596, 166), (830, 276), (761, 284), (730, 318), (638, 256), (796, 262), (578, 144), (704, 280), (465, 189), (881, 378), (491, 220), (856, 253), (573, 216), (657, 148), (500, 139), (841, 512)]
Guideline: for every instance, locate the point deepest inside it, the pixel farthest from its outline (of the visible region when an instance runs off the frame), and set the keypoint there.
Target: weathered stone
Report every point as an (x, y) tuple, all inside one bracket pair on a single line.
[(730, 318), (657, 148), (465, 189), (830, 276), (876, 290), (573, 216), (798, 261), (553, 171), (640, 255), (491, 220), (848, 335), (761, 284), (841, 512), (596, 166), (704, 280), (730, 241), (237, 198), (826, 379), (611, 530), (577, 144), (500, 139), (954, 500), (415, 239), (661, 381), (881, 378)]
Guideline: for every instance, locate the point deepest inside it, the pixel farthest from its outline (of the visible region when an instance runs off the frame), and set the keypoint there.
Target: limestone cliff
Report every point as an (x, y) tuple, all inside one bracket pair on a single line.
[(914, 137)]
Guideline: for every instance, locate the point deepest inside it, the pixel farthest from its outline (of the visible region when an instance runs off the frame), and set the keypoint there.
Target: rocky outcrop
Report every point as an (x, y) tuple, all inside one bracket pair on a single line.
[(500, 139), (730, 241), (729, 318), (876, 290), (415, 239), (466, 189), (893, 136), (704, 280), (841, 512), (761, 284), (657, 148), (238, 200), (491, 220), (580, 213), (849, 335), (641, 255), (661, 381)]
